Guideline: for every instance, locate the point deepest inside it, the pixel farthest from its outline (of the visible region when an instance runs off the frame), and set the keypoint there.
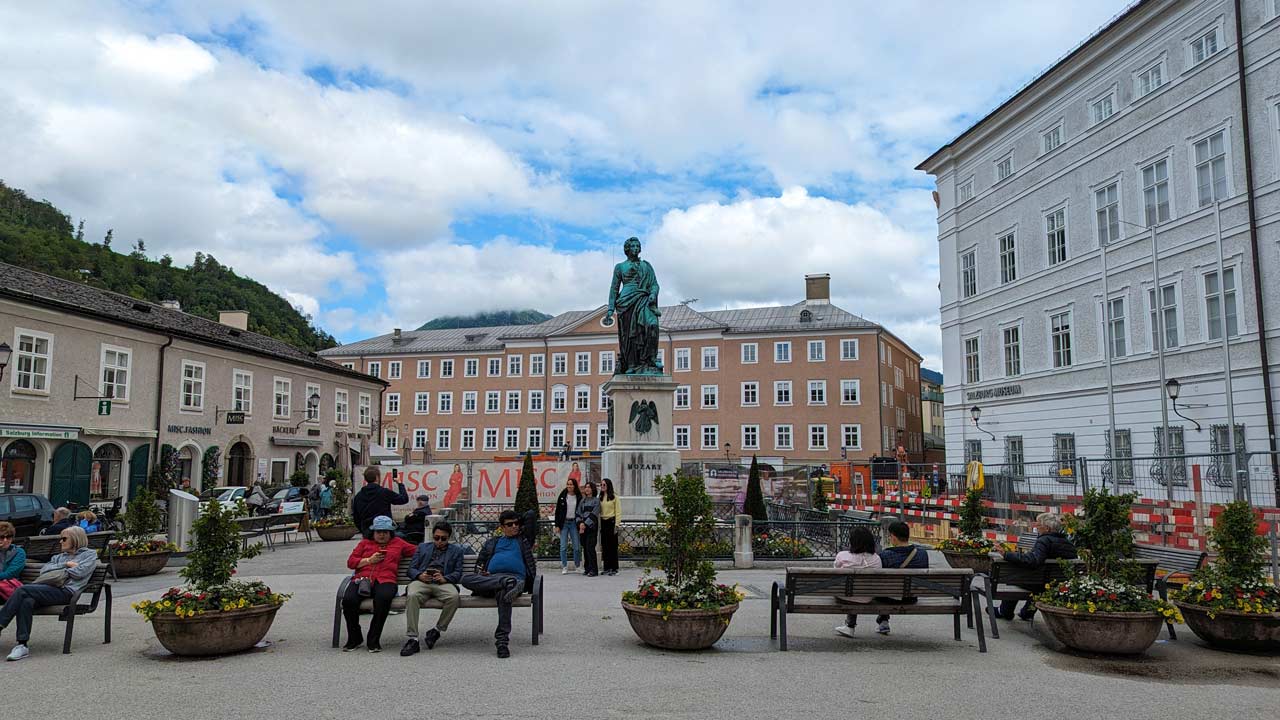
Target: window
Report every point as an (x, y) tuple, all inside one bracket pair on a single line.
[(559, 398), (972, 368), (419, 438), (750, 353), (781, 392), (897, 378), (1004, 169), (443, 437), (782, 352), (494, 368), (682, 437), (537, 365), (969, 273), (192, 383), (1168, 309), (817, 351), (1064, 454), (603, 440), (606, 362), (849, 349), (313, 413), (535, 401), (582, 398), (391, 439), (375, 369), (1119, 335), (421, 403), (1220, 442), (1150, 79), (444, 403), (886, 394), (1060, 337), (817, 392), (1124, 454), (471, 367), (817, 437), (559, 363), (750, 437), (557, 437), (710, 397), (1102, 108), (115, 372), (1013, 351), (349, 366), (1216, 299), (850, 392), (965, 192), (1014, 456), (492, 398), (469, 400), (682, 397), (515, 365), (1055, 228), (682, 359), (535, 438), (393, 403), (1107, 202), (424, 369), (582, 363), (581, 437), (513, 401), (750, 394), (1051, 138), (467, 440), (490, 439), (1204, 47), (781, 437), (341, 406), (446, 368), (364, 409), (604, 399), (851, 437), (710, 437), (1008, 259), (710, 358), (393, 370), (1155, 192), (1211, 168)]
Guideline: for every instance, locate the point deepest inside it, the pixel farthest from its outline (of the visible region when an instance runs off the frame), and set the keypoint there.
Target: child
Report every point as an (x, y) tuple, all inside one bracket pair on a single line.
[(861, 554)]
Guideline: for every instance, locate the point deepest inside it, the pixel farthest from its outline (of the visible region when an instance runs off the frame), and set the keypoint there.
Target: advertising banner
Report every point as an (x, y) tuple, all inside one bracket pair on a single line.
[(482, 482)]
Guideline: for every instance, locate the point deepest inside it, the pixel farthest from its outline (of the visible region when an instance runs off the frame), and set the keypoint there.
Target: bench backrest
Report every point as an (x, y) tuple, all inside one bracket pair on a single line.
[(877, 582), (32, 571), (1172, 559), (42, 547), (101, 540), (1027, 542), (860, 514), (1034, 579)]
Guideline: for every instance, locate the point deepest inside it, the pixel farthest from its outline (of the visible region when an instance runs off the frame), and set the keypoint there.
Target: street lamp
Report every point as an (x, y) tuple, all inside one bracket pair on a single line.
[(313, 403), (6, 352), (1173, 388), (726, 454), (975, 412)]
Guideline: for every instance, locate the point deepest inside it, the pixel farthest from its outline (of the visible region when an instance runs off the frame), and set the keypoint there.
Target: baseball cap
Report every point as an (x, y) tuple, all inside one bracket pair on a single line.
[(382, 522)]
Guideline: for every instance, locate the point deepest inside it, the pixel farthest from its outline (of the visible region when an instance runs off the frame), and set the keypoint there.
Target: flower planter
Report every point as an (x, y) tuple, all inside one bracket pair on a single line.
[(681, 629), (217, 633), (1232, 630), (336, 532), (1117, 633), (979, 563), (140, 565)]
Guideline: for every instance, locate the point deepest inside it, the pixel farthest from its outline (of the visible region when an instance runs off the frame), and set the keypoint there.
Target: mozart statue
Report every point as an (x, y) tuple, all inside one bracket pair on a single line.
[(634, 297)]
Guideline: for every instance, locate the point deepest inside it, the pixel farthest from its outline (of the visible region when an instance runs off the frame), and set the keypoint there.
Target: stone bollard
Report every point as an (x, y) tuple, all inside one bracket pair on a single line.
[(743, 555)]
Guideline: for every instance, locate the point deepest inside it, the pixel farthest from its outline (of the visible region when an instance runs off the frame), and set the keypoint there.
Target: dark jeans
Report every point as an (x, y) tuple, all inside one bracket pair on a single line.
[(609, 543), (383, 594), (589, 552), (495, 586), (23, 603), (852, 620)]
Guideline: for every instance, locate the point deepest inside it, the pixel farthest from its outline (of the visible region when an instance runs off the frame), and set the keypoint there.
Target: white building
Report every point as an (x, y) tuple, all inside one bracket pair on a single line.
[(1140, 125)]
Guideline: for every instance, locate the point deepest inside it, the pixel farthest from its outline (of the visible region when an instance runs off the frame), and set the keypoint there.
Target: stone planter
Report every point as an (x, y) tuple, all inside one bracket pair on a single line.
[(1125, 633), (337, 532), (682, 629), (979, 563), (1231, 630), (218, 633), (140, 565)]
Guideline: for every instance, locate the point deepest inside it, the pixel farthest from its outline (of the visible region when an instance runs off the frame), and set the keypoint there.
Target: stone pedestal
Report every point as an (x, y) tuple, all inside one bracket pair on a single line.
[(637, 456)]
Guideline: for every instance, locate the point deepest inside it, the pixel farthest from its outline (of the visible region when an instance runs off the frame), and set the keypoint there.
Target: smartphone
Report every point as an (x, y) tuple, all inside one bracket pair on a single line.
[(395, 473)]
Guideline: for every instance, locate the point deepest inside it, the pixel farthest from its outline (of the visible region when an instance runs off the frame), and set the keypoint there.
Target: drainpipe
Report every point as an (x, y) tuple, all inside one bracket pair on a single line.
[(160, 403), (546, 393), (1258, 306)]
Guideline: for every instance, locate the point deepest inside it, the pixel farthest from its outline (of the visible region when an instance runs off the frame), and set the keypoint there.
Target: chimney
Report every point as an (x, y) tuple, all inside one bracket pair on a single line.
[(238, 319), (817, 289), (171, 305), (395, 336)]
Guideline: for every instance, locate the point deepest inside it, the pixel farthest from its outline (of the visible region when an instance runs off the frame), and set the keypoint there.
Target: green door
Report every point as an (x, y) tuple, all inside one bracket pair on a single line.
[(70, 481), (138, 462)]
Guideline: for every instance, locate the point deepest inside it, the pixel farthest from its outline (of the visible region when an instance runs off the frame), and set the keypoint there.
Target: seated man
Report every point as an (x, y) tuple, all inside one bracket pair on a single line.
[(436, 570), (62, 520), (505, 568), (901, 553), (415, 523), (1051, 545)]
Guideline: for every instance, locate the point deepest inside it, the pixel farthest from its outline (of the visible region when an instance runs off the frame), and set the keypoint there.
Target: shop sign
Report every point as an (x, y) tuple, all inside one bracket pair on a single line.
[(189, 430), (38, 433), (998, 391), (235, 418), (283, 430)]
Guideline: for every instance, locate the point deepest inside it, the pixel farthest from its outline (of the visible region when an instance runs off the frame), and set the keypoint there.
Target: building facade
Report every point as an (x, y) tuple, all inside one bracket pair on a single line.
[(1147, 135), (791, 383), (98, 385), (932, 416)]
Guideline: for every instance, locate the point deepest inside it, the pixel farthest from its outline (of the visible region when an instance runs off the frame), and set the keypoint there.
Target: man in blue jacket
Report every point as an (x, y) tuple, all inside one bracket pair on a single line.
[(504, 568), (436, 569), (901, 553), (1051, 544)]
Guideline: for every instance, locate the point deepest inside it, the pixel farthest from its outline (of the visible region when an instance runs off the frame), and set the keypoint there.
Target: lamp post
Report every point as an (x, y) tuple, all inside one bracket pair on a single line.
[(1241, 489), (727, 461), (975, 412), (313, 403), (1173, 388), (6, 352)]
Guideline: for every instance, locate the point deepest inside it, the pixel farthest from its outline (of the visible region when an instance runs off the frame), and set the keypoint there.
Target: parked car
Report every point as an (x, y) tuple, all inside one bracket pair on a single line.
[(281, 496), (29, 513), (227, 495)]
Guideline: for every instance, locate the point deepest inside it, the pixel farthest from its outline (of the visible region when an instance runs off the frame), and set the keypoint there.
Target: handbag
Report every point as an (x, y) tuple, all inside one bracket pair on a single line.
[(364, 587), (7, 587), (53, 578)]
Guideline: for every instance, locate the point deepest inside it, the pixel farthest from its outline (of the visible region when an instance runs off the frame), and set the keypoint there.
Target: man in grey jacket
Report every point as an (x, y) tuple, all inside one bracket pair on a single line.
[(436, 569)]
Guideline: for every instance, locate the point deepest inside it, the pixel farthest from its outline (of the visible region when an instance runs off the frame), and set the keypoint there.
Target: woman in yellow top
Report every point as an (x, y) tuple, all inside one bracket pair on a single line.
[(609, 516)]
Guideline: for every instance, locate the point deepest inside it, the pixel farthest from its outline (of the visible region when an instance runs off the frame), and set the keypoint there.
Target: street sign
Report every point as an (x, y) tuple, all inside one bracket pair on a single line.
[(235, 418), (104, 407)]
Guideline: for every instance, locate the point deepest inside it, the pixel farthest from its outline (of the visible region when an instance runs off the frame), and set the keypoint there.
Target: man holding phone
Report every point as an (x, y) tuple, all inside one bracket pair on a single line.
[(504, 568), (373, 500), (436, 569)]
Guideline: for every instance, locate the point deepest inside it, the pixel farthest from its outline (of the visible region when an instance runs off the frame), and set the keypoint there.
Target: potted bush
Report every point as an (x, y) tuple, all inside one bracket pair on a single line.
[(687, 609), (138, 553), (338, 524), (1231, 604), (1104, 609), (971, 549), (213, 614)]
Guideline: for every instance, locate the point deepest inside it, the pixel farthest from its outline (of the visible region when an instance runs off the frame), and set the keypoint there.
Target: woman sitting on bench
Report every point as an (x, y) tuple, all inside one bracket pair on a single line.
[(60, 579)]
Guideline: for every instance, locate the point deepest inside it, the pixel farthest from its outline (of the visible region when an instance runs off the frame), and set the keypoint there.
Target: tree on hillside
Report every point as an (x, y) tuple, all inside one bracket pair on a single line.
[(106, 240), (527, 489)]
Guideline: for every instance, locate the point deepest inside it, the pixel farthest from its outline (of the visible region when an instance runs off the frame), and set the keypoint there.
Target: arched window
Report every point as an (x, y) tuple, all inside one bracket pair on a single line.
[(104, 474), (187, 467), (806, 316), (238, 470), (17, 466)]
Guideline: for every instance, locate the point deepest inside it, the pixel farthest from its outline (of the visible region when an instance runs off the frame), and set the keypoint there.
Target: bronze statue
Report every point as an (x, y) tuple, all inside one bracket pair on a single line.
[(634, 296)]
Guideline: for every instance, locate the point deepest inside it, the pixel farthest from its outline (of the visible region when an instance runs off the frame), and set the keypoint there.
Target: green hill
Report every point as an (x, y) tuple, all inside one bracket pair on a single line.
[(38, 236), (487, 319)]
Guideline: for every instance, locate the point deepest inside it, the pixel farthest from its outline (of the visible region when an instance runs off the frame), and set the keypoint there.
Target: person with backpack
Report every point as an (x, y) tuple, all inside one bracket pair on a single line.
[(326, 499)]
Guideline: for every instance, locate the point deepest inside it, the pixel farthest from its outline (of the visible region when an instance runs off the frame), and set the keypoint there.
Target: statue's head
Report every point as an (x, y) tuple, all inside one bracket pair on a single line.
[(632, 247)]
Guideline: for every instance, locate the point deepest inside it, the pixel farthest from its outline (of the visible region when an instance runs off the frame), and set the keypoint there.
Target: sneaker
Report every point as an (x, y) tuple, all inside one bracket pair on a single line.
[(513, 592), (564, 571), (430, 639), (844, 630), (375, 648), (575, 567), (503, 652), (883, 628), (353, 642), (410, 647), (20, 652)]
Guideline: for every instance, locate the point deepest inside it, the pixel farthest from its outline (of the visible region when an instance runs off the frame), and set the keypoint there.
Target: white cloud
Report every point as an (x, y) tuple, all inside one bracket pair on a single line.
[(170, 58)]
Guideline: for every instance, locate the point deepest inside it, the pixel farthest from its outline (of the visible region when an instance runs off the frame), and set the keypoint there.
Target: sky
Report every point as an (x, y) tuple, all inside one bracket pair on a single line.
[(380, 164)]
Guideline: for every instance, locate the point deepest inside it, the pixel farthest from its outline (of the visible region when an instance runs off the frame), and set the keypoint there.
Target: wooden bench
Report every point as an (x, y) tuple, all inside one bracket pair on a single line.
[(859, 515), (253, 526), (1174, 566), (935, 591), (1016, 583), (284, 523), (95, 589), (535, 601), (41, 548)]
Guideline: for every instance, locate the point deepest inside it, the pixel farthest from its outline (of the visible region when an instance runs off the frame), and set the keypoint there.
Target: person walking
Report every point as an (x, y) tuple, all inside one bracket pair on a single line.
[(609, 516), (587, 518), (566, 513)]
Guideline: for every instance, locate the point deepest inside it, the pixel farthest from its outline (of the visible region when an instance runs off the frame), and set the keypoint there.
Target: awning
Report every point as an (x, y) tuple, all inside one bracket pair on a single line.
[(295, 442), (120, 432), (378, 453), (45, 432)]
